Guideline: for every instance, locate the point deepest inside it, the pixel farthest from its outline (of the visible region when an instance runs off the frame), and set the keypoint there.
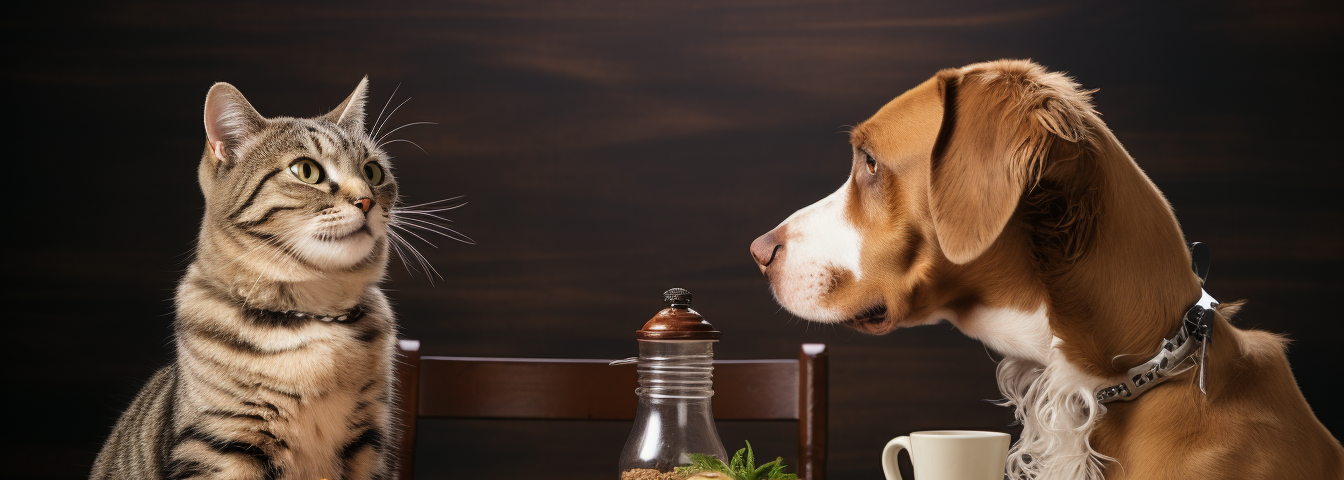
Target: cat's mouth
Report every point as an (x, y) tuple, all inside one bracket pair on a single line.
[(351, 235), (340, 245)]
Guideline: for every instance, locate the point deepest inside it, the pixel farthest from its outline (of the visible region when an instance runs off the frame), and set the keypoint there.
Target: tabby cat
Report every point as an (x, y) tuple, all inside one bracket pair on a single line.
[(284, 341)]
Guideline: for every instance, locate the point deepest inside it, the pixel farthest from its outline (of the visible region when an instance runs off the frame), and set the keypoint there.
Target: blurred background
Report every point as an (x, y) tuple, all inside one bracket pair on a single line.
[(613, 149)]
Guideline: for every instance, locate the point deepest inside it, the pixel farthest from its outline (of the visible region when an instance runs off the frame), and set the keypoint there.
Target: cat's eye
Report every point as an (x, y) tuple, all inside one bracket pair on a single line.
[(373, 172), (872, 163), (307, 170)]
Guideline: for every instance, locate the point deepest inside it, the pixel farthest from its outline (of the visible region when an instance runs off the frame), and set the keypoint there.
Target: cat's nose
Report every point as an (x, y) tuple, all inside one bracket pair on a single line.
[(364, 204)]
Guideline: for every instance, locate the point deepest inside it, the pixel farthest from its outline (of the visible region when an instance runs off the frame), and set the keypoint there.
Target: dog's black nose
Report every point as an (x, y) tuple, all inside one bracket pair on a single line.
[(767, 248)]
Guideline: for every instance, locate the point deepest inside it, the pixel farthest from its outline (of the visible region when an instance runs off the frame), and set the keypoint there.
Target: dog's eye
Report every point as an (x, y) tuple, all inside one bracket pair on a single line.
[(872, 164)]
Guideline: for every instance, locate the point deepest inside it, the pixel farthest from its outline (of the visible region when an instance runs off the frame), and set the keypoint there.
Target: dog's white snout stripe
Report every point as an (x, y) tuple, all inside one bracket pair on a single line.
[(819, 240)]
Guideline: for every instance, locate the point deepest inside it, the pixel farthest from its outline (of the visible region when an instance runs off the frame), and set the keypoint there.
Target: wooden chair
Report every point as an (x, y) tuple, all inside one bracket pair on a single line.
[(574, 389)]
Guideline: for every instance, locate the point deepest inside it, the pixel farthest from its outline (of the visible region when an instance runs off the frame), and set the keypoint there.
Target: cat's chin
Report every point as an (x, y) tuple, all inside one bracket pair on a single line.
[(339, 252)]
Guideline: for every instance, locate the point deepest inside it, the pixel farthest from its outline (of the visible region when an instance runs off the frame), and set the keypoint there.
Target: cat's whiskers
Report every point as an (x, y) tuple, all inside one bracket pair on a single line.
[(430, 210), (327, 227), (389, 142), (394, 242), (401, 245), (385, 104), (425, 264), (392, 131), (426, 214), (379, 127), (402, 219), (449, 199), (324, 227), (426, 225), (431, 272), (412, 233)]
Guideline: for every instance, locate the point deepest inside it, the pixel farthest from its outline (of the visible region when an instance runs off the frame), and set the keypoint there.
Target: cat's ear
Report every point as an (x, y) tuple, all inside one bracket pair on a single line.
[(229, 120), (349, 115)]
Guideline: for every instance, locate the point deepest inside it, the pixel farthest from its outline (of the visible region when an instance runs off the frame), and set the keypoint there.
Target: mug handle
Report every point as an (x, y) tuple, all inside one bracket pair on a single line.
[(890, 468)]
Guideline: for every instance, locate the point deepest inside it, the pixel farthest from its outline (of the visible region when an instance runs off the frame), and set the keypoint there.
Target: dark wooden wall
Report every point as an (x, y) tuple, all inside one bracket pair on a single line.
[(610, 150)]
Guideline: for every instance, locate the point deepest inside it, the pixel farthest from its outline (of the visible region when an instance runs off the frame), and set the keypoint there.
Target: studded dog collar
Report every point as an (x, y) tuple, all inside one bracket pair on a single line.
[(1190, 341)]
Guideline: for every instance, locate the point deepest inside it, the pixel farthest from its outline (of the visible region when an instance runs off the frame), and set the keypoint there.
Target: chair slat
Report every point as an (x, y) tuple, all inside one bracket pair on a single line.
[(579, 389), (407, 366), (756, 390), (814, 399), (526, 389)]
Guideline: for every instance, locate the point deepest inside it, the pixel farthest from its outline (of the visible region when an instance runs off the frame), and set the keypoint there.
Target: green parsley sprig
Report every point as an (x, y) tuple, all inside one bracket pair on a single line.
[(738, 468)]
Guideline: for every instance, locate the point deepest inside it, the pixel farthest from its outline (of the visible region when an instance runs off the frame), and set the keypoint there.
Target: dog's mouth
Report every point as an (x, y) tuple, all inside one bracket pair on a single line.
[(872, 321)]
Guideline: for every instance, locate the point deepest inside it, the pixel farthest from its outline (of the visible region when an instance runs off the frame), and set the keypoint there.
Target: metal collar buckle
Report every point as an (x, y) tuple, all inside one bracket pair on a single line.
[(1195, 332)]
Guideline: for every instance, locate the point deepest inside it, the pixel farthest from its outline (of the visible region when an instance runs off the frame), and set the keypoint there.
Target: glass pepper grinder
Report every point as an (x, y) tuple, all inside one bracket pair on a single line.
[(674, 418)]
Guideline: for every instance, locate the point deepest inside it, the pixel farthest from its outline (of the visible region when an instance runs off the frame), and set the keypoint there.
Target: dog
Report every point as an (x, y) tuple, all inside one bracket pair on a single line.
[(993, 197)]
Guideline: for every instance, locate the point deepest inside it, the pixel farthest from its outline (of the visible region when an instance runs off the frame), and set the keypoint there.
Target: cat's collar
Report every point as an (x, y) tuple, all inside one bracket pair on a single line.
[(293, 316)]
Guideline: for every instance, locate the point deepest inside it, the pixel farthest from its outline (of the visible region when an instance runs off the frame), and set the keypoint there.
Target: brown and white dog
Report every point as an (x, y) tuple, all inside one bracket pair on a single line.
[(993, 197)]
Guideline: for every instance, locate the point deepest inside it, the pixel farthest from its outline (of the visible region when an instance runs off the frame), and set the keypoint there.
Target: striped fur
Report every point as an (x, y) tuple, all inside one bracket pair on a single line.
[(253, 394)]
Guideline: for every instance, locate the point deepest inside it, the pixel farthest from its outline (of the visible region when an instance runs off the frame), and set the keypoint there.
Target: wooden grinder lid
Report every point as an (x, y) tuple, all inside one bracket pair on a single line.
[(677, 321)]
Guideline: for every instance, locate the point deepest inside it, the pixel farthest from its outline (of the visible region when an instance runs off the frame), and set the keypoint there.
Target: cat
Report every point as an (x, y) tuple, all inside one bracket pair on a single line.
[(284, 341)]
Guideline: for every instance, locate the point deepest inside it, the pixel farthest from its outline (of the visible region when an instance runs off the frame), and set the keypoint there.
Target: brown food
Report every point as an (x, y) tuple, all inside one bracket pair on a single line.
[(649, 474)]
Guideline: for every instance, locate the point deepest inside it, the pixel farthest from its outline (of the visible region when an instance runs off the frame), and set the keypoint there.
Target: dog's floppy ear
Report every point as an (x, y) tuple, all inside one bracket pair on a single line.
[(999, 122)]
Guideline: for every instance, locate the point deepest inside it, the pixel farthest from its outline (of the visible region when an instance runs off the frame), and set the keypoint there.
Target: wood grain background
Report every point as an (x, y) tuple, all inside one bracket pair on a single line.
[(612, 149)]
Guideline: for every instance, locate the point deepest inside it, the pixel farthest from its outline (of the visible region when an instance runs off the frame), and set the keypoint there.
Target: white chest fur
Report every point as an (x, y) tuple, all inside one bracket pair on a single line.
[(1011, 332), (1053, 399), (1057, 407)]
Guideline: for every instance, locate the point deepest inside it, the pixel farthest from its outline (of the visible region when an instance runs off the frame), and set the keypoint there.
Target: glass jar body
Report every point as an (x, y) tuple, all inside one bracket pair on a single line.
[(675, 417)]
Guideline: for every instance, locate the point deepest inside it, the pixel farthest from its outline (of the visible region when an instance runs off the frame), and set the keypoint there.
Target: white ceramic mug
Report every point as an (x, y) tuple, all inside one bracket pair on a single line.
[(949, 455)]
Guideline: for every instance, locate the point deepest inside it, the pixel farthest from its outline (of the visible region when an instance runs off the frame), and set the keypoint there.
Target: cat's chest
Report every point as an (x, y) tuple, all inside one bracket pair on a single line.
[(319, 358), (316, 433)]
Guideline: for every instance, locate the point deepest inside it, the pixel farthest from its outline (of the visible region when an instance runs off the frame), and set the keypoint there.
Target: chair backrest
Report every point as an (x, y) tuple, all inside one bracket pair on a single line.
[(574, 389)]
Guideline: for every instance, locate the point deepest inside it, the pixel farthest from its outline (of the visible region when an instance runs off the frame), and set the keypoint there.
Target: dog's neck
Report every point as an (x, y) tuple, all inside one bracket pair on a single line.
[(1097, 244), (1114, 268), (1130, 281)]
